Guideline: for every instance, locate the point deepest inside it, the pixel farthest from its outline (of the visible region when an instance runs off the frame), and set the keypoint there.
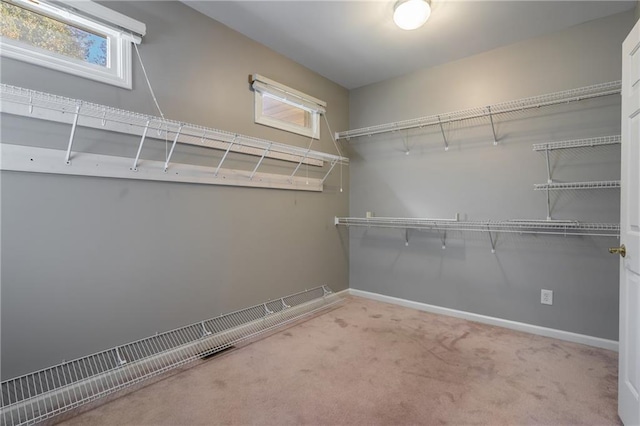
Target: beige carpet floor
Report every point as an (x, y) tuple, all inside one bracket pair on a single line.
[(368, 363)]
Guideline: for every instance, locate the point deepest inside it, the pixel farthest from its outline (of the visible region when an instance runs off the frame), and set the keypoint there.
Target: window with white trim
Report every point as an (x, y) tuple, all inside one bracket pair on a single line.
[(284, 108), (81, 38)]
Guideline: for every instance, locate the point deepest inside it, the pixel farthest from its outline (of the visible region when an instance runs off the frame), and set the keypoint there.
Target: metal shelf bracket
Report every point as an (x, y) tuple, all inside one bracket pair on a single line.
[(144, 135), (492, 240), (444, 137), (557, 98), (493, 127), (173, 146), (67, 158)]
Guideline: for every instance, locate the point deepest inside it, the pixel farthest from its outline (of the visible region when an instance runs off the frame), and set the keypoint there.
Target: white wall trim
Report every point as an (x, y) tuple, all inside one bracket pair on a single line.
[(568, 336), (20, 158), (342, 293)]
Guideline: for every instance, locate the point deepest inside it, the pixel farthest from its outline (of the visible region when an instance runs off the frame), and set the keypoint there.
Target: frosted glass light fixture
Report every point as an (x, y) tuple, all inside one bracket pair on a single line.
[(411, 14)]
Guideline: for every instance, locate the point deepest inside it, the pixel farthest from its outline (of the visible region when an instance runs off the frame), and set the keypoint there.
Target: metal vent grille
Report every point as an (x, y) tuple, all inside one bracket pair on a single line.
[(43, 394)]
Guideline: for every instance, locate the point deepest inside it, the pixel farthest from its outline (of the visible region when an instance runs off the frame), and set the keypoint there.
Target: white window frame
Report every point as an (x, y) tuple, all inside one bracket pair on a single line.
[(119, 30), (263, 86)]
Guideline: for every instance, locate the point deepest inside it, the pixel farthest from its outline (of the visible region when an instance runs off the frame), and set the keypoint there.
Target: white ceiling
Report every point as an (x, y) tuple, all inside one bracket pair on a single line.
[(355, 43)]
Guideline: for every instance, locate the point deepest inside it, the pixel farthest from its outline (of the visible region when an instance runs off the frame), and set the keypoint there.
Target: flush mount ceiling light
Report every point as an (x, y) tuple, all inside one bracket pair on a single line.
[(411, 14)]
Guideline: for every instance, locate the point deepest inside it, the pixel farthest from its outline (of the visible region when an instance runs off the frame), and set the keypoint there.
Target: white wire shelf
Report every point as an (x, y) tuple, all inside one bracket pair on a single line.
[(567, 96), (551, 227), (77, 113), (578, 143), (605, 184), (31, 103), (38, 396)]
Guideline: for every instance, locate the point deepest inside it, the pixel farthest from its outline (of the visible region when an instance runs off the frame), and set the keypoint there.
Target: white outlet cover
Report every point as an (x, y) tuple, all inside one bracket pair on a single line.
[(546, 297)]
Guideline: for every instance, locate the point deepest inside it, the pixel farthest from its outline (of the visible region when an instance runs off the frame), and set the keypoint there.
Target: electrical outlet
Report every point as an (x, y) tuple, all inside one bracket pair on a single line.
[(546, 297)]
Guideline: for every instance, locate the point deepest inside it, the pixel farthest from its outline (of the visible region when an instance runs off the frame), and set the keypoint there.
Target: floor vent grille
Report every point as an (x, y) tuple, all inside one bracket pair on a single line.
[(46, 393)]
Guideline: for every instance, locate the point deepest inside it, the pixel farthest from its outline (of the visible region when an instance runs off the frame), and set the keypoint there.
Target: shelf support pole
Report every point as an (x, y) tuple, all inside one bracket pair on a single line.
[(173, 145), (144, 135), (67, 158), (493, 127), (444, 137), (224, 157), (264, 154), (549, 181), (299, 164)]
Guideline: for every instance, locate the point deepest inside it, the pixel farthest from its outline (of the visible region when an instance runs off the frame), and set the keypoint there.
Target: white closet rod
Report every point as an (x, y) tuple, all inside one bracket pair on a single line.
[(588, 92), (31, 103)]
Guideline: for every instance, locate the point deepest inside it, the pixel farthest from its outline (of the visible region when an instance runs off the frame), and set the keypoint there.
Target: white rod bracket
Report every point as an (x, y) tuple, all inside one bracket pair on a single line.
[(264, 154), (144, 135), (67, 158), (444, 137), (492, 240), (444, 240), (284, 305), (493, 127), (224, 157), (173, 146), (406, 237), (405, 142), (299, 164), (325, 291)]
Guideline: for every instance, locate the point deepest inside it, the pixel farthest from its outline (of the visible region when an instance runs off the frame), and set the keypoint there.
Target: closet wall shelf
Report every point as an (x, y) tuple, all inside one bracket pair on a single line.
[(77, 113), (552, 227), (578, 143), (567, 96), (605, 184), (46, 106)]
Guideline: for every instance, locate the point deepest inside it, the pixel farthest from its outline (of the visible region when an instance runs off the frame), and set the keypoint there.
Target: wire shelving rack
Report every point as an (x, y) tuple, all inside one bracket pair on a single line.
[(563, 97), (491, 227), (41, 395), (78, 113), (604, 184), (578, 143), (519, 226)]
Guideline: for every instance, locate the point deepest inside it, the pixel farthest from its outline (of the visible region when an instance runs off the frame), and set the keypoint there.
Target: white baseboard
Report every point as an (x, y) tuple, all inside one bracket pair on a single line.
[(519, 326), (345, 292)]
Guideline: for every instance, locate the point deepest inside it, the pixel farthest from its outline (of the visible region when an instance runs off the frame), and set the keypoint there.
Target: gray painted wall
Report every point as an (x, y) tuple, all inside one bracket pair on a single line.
[(90, 263), (483, 182)]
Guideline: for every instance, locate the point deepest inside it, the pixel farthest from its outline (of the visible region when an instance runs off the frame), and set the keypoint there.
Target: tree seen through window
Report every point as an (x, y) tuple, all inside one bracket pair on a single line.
[(41, 31)]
